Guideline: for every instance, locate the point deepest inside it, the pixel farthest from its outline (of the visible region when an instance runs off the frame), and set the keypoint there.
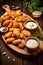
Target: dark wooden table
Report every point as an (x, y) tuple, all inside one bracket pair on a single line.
[(14, 59)]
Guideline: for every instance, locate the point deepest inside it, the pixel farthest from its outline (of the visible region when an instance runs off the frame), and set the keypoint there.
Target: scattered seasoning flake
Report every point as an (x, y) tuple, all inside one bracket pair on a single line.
[(13, 59), (4, 53), (8, 57)]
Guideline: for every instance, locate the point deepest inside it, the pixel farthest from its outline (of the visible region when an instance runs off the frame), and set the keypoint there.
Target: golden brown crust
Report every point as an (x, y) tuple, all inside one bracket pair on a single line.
[(17, 41), (8, 40), (22, 44), (26, 33), (8, 34), (15, 22), (10, 25)]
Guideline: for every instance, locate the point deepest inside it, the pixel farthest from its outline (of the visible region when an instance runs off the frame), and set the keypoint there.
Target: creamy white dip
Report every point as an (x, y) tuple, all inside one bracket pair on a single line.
[(36, 13), (32, 43), (31, 25)]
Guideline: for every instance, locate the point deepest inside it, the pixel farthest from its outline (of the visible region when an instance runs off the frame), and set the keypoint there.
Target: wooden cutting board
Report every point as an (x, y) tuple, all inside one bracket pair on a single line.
[(17, 49)]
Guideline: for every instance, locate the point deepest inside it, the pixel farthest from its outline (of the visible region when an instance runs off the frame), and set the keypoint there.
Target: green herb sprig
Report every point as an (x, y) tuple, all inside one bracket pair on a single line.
[(32, 5), (37, 35)]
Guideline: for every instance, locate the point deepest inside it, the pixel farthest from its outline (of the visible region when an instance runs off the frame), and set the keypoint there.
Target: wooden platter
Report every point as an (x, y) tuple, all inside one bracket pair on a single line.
[(24, 51)]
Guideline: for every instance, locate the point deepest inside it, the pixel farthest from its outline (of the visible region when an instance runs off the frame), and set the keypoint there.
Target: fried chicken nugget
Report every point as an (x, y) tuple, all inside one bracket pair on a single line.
[(5, 17), (22, 44), (11, 29), (6, 22), (14, 29), (16, 33), (8, 34), (26, 17), (16, 19), (26, 33), (22, 36), (21, 25), (18, 12), (15, 24), (8, 40), (16, 41)]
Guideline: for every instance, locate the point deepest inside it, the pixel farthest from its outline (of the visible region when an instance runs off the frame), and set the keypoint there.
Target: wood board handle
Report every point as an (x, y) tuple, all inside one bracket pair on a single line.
[(6, 7)]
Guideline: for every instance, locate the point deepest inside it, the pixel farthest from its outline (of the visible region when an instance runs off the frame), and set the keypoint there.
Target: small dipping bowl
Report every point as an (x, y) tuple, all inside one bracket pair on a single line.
[(36, 14), (32, 43), (31, 25), (3, 29)]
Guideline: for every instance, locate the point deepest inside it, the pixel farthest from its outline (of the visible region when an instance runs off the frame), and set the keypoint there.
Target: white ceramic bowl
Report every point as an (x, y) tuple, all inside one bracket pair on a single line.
[(36, 14), (32, 43), (31, 25)]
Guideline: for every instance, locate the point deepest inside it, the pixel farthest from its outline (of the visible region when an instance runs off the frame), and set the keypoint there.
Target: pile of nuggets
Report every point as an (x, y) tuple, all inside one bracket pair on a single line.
[(15, 22)]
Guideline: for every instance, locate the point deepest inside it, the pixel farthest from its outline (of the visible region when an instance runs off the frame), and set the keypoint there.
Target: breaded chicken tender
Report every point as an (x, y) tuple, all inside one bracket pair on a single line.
[(21, 25), (15, 24), (11, 29), (16, 19), (8, 40), (18, 12), (8, 34), (10, 25), (26, 17), (14, 29), (26, 33), (6, 17), (22, 36), (22, 44), (16, 33), (16, 41), (17, 29), (6, 22)]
